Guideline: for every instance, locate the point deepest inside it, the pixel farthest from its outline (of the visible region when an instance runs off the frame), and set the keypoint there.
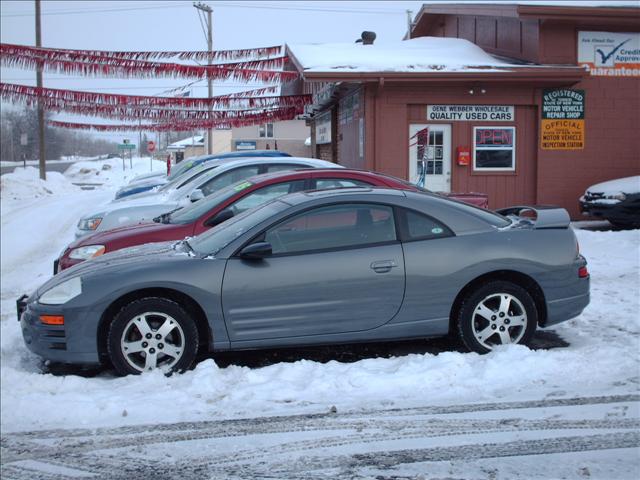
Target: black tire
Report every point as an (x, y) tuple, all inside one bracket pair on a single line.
[(471, 323), (182, 339)]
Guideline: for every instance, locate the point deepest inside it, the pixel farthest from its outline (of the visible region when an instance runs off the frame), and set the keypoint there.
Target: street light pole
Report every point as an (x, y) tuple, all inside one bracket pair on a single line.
[(209, 21), (42, 162)]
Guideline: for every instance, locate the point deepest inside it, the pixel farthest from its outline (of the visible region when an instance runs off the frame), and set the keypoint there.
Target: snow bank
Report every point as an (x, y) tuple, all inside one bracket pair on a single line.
[(111, 172), (25, 183)]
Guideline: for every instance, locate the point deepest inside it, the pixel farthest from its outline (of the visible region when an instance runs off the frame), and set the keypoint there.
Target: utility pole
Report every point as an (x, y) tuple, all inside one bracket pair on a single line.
[(42, 162), (209, 21)]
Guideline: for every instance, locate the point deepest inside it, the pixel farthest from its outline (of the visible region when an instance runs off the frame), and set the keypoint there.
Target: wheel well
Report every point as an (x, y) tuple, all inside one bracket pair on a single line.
[(518, 278), (185, 301)]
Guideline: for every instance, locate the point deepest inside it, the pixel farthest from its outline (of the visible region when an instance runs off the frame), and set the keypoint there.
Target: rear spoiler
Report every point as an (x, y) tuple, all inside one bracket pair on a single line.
[(541, 216)]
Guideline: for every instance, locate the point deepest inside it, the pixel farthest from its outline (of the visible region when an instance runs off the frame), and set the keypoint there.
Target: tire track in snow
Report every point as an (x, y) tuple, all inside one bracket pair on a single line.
[(123, 452)]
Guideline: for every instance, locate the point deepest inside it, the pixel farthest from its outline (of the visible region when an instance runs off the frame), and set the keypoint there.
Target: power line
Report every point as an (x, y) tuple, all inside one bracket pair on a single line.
[(219, 5), (105, 10)]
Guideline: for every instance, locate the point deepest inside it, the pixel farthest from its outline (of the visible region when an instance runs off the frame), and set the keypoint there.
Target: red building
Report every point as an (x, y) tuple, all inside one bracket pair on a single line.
[(530, 104)]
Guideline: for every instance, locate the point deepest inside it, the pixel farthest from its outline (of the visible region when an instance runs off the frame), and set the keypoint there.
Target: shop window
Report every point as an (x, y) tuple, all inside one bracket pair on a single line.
[(266, 130), (494, 148)]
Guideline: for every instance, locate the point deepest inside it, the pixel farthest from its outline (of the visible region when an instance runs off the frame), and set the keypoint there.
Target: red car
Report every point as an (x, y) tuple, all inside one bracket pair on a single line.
[(222, 205)]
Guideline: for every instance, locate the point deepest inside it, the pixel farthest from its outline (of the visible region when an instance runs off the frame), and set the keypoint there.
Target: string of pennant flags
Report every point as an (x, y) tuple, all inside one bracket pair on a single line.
[(247, 119), (165, 113)]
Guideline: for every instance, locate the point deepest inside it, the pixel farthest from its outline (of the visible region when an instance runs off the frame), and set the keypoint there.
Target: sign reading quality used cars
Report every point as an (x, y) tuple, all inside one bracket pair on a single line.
[(468, 113)]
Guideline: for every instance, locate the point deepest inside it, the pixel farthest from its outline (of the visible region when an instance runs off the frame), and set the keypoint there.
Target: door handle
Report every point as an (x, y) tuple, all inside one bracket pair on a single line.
[(383, 266)]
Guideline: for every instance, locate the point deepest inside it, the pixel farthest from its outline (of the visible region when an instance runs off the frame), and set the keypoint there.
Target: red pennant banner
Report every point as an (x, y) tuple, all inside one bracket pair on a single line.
[(253, 119), (141, 69), (59, 99), (12, 49)]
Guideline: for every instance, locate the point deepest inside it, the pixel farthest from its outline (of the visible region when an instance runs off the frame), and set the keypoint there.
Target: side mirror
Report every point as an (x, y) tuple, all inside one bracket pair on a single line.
[(219, 217), (256, 251), (196, 195)]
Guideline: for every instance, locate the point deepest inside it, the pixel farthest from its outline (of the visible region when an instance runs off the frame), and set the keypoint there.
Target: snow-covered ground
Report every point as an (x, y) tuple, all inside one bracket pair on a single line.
[(440, 415)]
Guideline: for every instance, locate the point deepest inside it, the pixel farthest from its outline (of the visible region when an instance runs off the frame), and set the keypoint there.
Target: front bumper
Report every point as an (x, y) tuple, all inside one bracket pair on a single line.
[(73, 342), (625, 211)]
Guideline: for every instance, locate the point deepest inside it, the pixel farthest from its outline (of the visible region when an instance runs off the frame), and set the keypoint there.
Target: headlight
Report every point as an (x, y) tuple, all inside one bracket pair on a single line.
[(62, 293), (85, 253), (89, 223)]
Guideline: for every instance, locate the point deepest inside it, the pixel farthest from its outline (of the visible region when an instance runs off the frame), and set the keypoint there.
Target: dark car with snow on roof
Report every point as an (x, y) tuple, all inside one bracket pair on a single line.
[(617, 201)]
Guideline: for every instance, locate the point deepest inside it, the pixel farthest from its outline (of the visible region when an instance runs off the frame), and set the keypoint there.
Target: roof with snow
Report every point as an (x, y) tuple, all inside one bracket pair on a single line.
[(196, 140), (423, 54)]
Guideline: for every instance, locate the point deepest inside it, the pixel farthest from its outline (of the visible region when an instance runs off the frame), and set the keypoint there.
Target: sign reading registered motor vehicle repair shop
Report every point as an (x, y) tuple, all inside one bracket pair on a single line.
[(469, 113), (562, 125)]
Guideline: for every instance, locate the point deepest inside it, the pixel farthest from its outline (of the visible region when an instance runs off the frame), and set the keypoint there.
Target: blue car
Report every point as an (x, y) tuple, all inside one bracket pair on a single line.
[(147, 182)]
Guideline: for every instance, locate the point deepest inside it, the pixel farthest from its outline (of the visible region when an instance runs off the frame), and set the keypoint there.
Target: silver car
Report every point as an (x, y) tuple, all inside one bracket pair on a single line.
[(323, 267), (192, 186)]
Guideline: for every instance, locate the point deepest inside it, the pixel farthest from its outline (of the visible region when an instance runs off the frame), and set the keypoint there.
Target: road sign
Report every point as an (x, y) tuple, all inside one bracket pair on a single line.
[(126, 140), (151, 146), (126, 146), (24, 139)]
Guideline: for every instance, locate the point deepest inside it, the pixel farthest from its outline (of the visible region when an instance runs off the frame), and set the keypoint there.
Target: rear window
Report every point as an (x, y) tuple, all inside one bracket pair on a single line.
[(488, 216)]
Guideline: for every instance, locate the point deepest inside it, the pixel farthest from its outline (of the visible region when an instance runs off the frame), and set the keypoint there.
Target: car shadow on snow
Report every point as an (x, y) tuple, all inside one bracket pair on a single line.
[(542, 340)]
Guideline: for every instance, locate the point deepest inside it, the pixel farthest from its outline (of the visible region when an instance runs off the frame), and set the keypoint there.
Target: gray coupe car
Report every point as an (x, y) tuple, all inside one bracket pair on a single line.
[(323, 267)]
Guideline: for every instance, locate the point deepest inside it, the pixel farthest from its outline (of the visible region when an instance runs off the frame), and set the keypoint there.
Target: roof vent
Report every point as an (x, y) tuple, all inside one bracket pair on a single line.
[(367, 38)]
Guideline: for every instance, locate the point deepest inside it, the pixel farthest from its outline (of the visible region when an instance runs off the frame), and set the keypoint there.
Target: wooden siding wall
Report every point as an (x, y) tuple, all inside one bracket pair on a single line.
[(349, 134), (396, 107), (509, 37), (612, 124)]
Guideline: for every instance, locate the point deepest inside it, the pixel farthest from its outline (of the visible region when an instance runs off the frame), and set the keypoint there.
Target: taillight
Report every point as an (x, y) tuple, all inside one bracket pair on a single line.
[(583, 272)]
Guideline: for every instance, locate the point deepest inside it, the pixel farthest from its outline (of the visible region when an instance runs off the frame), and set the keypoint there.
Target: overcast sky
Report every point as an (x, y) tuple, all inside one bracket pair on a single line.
[(174, 25)]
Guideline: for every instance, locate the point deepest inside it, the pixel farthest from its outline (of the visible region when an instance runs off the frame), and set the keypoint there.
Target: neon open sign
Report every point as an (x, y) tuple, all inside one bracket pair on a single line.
[(496, 137)]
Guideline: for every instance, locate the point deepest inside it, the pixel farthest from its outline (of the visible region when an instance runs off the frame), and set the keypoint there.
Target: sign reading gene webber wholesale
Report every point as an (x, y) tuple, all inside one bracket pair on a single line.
[(562, 126), (468, 113)]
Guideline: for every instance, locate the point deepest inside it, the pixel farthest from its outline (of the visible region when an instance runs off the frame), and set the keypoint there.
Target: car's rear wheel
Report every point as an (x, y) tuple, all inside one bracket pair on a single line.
[(152, 333), (498, 313)]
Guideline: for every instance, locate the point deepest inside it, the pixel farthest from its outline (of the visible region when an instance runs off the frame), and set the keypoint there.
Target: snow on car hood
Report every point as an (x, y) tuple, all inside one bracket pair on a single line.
[(619, 185), (155, 199)]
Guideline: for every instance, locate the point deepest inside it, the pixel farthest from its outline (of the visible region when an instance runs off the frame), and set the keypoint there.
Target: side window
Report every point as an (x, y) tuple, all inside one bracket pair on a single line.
[(227, 178), (326, 183), (336, 226), (421, 227), (281, 167), (264, 194)]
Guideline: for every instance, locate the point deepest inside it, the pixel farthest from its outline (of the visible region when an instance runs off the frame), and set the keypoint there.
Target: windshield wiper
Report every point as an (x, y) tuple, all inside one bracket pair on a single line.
[(186, 243), (165, 217)]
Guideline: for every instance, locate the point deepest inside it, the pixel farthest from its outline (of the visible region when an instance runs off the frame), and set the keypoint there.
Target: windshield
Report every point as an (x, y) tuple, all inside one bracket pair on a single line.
[(185, 178), (214, 240), (184, 166), (201, 207)]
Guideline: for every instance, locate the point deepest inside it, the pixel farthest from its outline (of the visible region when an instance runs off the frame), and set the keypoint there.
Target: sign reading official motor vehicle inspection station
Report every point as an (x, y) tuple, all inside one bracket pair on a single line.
[(562, 125), (469, 113)]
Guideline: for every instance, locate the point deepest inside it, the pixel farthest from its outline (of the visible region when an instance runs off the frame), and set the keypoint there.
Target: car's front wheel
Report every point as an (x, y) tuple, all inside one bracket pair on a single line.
[(151, 333), (498, 313)]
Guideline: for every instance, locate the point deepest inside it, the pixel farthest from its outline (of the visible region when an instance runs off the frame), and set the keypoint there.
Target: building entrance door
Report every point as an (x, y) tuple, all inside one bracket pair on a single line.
[(430, 156)]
